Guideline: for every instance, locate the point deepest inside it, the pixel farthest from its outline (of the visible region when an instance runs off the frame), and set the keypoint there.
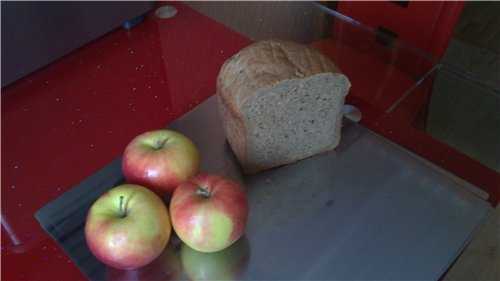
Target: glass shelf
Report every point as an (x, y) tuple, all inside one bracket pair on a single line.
[(459, 110)]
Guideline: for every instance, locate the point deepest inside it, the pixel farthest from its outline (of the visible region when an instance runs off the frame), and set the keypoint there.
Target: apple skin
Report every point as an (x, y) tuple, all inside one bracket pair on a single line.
[(227, 264), (130, 234), (209, 212), (160, 160)]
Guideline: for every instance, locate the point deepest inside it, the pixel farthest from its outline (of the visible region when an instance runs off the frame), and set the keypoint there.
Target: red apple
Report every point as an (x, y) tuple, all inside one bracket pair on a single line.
[(127, 227), (209, 212), (160, 160)]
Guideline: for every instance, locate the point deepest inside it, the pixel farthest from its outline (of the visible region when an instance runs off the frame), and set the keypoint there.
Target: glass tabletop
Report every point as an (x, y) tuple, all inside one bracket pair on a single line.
[(367, 210), (314, 200)]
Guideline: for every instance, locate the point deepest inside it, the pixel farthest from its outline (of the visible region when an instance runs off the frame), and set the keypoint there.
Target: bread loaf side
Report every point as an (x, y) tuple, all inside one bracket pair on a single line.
[(280, 102)]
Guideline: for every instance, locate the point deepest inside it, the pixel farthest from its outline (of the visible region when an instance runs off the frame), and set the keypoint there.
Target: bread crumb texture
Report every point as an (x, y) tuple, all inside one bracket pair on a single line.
[(280, 102)]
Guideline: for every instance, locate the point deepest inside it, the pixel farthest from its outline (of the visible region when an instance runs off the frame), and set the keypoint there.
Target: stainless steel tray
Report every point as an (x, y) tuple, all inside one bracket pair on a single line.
[(366, 210)]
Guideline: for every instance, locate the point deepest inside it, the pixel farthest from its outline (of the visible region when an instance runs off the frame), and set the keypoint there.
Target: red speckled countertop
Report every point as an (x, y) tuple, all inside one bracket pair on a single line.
[(69, 119), (66, 121)]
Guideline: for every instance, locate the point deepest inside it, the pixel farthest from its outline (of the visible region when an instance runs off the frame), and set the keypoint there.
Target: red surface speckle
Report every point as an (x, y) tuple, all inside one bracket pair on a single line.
[(69, 119)]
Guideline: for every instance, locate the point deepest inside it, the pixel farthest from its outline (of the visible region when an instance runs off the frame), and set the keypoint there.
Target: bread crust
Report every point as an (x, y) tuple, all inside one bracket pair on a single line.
[(261, 68), (264, 64)]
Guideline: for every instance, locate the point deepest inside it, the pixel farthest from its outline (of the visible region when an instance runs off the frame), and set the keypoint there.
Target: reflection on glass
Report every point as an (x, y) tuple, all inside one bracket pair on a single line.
[(166, 267), (227, 264)]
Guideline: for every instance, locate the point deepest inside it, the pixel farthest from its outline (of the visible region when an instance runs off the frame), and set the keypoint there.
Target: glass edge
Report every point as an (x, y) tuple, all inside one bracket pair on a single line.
[(483, 83), (401, 44), (487, 85)]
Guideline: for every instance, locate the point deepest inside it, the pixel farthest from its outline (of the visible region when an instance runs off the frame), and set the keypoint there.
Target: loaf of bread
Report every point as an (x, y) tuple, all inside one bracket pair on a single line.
[(280, 102)]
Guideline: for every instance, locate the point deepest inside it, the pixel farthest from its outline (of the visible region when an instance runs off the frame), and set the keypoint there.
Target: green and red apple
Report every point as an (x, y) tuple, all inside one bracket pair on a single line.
[(160, 160), (127, 227), (209, 212)]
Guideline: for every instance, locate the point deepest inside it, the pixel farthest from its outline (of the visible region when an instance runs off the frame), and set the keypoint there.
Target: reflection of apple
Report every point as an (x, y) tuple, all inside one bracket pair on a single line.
[(166, 267), (209, 212), (160, 160), (127, 227), (227, 264)]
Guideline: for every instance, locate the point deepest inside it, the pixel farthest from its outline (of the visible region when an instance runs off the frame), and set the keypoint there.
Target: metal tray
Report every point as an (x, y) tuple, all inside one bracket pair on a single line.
[(366, 210)]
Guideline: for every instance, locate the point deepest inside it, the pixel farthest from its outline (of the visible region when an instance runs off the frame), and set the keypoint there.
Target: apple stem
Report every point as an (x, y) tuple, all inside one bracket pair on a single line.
[(160, 143), (122, 211), (203, 192)]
